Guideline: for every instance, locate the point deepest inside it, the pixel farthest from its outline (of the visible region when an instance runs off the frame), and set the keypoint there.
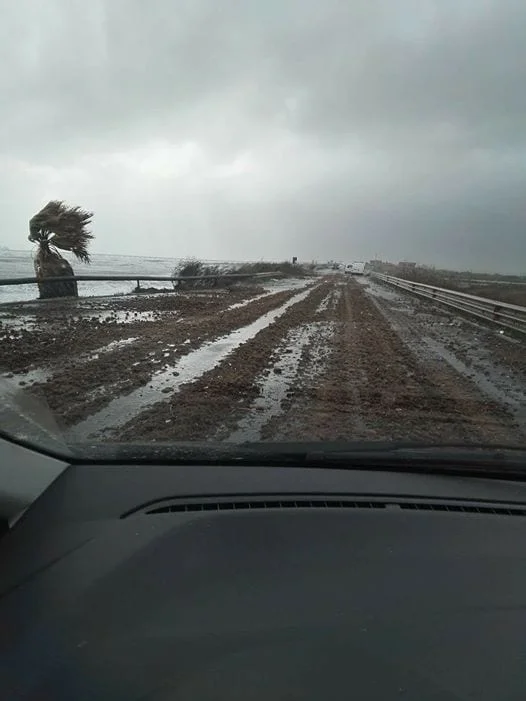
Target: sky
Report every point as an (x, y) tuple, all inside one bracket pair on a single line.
[(242, 129)]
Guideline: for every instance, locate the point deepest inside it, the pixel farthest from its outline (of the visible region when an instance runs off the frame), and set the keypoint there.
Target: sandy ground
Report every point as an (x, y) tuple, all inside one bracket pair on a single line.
[(329, 358)]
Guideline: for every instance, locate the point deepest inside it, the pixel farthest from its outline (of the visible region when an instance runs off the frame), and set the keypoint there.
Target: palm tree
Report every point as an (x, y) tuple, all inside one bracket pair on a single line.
[(55, 227)]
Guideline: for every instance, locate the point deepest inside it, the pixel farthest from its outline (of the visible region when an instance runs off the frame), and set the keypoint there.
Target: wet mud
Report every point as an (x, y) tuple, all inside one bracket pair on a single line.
[(326, 359)]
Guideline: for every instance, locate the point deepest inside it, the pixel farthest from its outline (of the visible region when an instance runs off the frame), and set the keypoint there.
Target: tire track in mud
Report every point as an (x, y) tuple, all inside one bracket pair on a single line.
[(328, 407), (489, 359), (331, 367), (309, 358), (213, 405), (299, 355), (305, 393), (80, 389), (308, 347), (374, 388), (56, 331)]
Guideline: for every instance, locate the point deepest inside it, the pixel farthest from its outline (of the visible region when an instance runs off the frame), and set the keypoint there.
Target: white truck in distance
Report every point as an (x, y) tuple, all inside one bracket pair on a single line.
[(357, 267)]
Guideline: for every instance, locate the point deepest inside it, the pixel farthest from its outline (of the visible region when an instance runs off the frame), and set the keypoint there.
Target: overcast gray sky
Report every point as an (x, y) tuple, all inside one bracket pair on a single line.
[(251, 129)]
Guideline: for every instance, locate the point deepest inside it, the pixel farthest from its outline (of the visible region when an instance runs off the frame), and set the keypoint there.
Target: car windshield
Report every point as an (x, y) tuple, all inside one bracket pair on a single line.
[(246, 222)]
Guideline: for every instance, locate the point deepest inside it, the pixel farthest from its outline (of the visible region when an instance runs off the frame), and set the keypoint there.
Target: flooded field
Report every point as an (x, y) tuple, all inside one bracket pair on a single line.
[(324, 358)]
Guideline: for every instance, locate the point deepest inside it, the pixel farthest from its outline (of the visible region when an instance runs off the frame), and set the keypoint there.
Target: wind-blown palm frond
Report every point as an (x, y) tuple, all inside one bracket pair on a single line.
[(63, 227)]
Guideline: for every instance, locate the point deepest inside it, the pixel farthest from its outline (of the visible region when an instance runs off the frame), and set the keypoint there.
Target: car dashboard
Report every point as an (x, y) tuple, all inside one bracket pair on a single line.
[(253, 582)]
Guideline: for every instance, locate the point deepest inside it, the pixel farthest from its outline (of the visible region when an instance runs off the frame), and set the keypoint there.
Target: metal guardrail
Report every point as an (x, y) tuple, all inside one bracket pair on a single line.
[(116, 278), (510, 316)]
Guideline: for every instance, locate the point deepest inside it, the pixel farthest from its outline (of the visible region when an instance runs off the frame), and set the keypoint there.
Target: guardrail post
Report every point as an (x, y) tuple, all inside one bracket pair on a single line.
[(138, 284), (496, 311)]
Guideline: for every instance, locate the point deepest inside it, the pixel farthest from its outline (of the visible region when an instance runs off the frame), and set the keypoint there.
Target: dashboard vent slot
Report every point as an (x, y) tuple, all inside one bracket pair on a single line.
[(249, 503), (263, 504), (465, 508)]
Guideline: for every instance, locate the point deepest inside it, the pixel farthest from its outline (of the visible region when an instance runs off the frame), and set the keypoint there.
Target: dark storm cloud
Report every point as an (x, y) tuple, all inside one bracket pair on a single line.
[(271, 129), (457, 80)]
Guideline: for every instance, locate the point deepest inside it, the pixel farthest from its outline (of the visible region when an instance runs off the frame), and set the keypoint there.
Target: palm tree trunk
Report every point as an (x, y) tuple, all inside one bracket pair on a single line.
[(49, 264)]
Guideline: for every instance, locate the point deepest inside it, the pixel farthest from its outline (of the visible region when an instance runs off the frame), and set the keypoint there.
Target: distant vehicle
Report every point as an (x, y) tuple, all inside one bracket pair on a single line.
[(357, 267)]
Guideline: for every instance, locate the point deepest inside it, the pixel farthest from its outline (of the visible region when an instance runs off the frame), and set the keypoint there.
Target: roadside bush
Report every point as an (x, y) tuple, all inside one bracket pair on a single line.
[(194, 268), (189, 268), (284, 269), (200, 274)]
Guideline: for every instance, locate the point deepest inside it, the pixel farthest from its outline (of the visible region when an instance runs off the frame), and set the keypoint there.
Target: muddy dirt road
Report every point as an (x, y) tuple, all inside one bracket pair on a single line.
[(319, 359)]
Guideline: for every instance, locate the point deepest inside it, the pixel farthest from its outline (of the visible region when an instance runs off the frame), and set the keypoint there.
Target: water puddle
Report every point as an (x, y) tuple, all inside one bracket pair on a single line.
[(245, 302), (331, 301), (12, 322), (487, 381), (32, 322), (30, 377), (397, 303), (125, 317), (381, 291), (286, 284), (164, 383), (276, 385), (325, 303), (114, 345), (43, 374)]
